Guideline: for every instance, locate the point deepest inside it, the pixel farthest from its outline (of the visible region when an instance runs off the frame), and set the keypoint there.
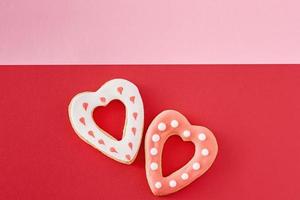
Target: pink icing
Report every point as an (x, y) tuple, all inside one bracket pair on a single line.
[(182, 177)]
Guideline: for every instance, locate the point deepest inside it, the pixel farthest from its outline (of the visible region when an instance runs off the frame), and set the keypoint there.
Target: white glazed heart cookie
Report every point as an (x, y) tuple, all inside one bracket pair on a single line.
[(81, 116)]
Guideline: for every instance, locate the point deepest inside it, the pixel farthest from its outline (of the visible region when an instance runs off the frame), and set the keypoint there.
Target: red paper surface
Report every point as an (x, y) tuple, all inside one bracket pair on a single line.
[(252, 110)]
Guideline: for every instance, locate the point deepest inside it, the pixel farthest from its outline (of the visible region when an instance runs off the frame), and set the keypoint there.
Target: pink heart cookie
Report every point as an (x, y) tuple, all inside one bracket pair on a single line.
[(81, 116), (170, 123)]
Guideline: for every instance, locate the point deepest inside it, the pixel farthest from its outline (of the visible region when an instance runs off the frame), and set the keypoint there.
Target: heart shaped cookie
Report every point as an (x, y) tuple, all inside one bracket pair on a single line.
[(170, 123), (81, 117)]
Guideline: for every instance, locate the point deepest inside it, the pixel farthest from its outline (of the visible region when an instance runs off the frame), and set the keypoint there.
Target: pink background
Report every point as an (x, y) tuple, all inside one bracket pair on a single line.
[(139, 31)]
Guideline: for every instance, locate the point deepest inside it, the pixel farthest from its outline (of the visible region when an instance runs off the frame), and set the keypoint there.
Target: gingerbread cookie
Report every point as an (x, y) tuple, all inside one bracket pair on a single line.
[(170, 123), (81, 116)]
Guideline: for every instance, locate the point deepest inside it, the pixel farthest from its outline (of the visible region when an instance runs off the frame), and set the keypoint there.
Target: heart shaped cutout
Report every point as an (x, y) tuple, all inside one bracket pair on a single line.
[(102, 116), (163, 126), (81, 116), (171, 160)]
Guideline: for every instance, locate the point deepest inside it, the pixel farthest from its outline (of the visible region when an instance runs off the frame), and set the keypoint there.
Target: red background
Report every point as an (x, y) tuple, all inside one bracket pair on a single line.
[(252, 110)]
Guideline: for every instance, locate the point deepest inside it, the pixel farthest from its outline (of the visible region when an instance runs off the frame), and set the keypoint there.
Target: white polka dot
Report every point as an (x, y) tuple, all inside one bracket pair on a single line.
[(154, 166), (161, 126), (202, 137), (174, 123), (153, 151), (186, 133), (204, 152), (155, 138), (172, 183), (158, 184), (184, 176), (196, 166)]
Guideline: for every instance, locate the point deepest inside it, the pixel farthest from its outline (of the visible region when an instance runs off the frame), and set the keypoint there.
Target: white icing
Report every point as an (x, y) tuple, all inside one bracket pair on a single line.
[(161, 126), (153, 151), (184, 176), (155, 138), (186, 133), (204, 152), (196, 166), (172, 183), (158, 185), (153, 166), (174, 123), (202, 137), (110, 92)]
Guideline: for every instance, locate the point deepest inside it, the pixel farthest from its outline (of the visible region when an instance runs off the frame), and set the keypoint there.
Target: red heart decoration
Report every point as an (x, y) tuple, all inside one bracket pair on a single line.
[(120, 89), (102, 99), (135, 114), (132, 98), (85, 105)]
